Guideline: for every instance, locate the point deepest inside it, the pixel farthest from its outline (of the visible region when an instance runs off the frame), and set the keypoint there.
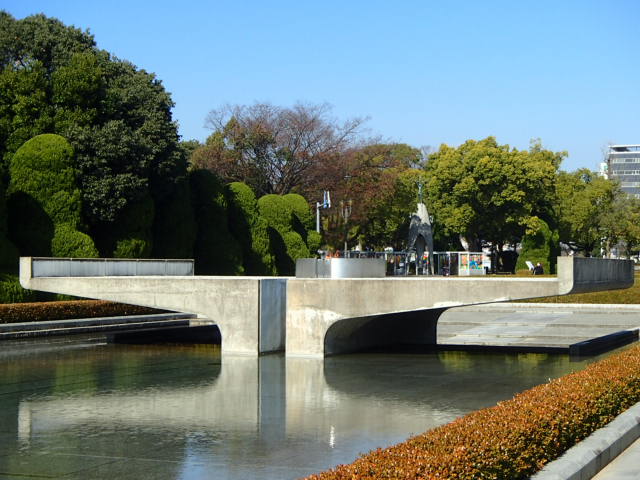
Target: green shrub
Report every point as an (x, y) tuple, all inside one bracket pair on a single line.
[(44, 200), (216, 251), (12, 292), (314, 240), (174, 228), (69, 242), (30, 227), (276, 212), (296, 247), (542, 247), (8, 252), (131, 235), (43, 169), (250, 229), (300, 209), (515, 438)]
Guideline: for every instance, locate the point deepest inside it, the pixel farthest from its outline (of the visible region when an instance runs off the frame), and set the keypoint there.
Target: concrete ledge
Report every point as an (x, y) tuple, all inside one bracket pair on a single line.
[(86, 322), (561, 307), (588, 457), (604, 343)]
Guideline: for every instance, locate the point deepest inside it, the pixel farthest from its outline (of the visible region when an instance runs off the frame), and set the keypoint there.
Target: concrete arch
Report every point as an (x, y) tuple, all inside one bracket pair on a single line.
[(404, 328)]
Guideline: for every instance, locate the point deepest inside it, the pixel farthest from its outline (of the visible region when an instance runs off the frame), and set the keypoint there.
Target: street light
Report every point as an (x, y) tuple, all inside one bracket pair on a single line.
[(326, 203)]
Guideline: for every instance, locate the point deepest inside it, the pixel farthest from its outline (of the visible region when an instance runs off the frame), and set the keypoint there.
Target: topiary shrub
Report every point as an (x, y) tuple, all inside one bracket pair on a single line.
[(30, 227), (250, 229), (8, 252), (43, 195), (174, 227), (216, 251), (300, 208), (314, 240), (276, 212), (43, 169), (69, 242), (542, 247), (130, 236), (296, 247)]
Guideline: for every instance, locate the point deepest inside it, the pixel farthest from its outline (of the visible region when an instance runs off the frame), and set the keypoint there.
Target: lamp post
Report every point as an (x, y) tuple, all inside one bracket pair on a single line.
[(326, 203), (345, 211)]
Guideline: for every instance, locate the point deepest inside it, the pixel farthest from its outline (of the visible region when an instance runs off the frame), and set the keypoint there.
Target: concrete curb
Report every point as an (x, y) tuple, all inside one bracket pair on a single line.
[(97, 321), (585, 459), (561, 307)]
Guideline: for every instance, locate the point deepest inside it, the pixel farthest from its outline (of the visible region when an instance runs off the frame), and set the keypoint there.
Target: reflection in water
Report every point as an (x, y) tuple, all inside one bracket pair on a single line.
[(164, 412)]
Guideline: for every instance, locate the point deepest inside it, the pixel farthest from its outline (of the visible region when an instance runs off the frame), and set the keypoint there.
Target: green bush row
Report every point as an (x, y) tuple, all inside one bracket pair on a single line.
[(34, 312), (515, 438), (224, 228)]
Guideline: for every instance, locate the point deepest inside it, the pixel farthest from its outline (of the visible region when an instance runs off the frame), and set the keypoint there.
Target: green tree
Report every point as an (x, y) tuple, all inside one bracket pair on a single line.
[(584, 200), (117, 117), (622, 224), (488, 192)]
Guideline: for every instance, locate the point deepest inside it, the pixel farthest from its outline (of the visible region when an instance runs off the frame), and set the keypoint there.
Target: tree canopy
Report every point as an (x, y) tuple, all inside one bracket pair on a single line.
[(274, 149), (585, 202), (490, 192), (53, 79)]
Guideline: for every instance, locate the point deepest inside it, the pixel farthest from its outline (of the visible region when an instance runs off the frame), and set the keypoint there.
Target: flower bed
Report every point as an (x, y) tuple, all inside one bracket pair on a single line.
[(34, 312), (515, 438)]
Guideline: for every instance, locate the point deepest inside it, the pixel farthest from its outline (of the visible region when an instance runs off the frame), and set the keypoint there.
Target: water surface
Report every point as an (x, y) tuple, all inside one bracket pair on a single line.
[(78, 409)]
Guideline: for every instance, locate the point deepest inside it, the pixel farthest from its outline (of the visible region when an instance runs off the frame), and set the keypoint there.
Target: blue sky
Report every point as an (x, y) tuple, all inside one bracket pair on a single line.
[(424, 72)]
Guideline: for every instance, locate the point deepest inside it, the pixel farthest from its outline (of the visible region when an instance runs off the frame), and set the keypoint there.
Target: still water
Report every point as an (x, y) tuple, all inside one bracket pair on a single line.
[(83, 409)]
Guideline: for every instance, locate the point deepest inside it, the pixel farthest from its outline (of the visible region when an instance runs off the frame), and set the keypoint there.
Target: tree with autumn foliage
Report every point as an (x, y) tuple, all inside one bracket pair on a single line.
[(274, 150), (380, 180)]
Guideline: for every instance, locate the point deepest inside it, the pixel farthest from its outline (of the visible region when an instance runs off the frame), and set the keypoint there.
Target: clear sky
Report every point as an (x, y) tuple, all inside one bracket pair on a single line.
[(424, 72)]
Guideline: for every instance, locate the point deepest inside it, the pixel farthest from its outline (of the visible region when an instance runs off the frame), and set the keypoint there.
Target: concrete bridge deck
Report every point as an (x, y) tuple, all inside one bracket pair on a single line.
[(322, 316)]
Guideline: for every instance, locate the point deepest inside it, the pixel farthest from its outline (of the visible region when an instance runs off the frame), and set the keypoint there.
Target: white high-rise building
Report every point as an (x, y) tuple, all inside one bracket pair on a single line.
[(623, 164)]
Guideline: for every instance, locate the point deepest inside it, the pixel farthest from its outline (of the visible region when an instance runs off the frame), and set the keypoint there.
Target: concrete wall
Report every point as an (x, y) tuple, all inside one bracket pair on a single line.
[(341, 268), (580, 275), (320, 311), (325, 315), (245, 309)]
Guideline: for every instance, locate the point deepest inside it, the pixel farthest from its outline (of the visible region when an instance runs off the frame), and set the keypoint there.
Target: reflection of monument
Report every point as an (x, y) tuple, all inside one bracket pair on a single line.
[(421, 233)]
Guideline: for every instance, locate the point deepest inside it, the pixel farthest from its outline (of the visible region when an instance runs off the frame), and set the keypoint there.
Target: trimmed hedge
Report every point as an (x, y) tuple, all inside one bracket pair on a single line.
[(36, 312), (543, 247), (250, 229), (216, 251), (43, 168), (45, 202), (515, 438)]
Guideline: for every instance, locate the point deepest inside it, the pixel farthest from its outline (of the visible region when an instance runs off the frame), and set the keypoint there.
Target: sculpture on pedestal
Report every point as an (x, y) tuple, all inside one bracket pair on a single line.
[(421, 232)]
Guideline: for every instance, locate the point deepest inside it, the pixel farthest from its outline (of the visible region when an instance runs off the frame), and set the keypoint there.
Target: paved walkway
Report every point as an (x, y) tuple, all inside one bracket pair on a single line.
[(625, 466)]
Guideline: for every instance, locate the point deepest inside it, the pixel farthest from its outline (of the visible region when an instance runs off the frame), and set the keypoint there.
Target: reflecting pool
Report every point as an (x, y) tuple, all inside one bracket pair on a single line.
[(83, 409)]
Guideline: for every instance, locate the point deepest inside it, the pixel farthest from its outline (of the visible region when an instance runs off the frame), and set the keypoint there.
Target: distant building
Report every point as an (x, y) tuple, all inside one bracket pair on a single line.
[(623, 164)]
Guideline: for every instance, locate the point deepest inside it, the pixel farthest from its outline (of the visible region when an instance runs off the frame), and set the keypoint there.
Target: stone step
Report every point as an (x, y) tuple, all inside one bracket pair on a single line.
[(93, 325)]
